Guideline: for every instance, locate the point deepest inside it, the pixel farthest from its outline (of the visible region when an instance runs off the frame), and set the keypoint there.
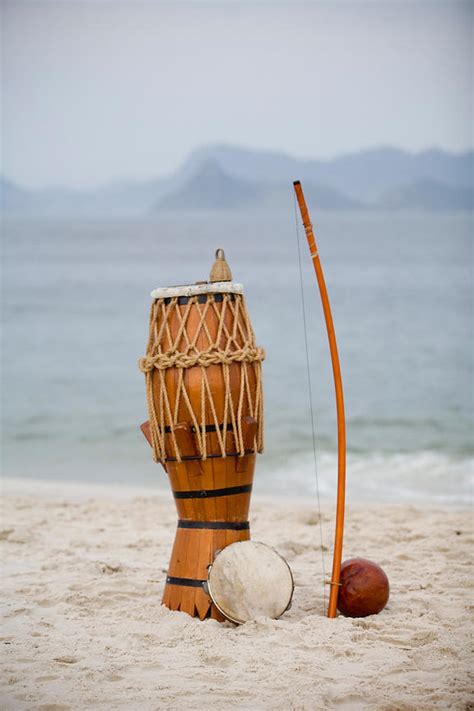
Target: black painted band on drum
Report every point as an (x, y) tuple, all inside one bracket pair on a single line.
[(215, 525), (212, 493), (209, 428), (187, 582), (201, 298), (190, 458)]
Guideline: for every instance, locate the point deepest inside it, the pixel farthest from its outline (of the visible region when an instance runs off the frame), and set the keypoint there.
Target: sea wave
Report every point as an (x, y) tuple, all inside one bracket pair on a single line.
[(423, 476)]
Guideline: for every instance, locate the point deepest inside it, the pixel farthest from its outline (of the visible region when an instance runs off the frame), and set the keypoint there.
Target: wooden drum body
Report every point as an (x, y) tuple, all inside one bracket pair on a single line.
[(204, 391)]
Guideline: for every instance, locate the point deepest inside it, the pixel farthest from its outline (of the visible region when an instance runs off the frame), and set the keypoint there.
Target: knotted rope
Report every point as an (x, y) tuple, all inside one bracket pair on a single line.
[(162, 361)]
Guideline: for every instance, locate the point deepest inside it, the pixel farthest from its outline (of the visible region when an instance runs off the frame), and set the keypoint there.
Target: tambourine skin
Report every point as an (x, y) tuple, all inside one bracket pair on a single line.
[(248, 580)]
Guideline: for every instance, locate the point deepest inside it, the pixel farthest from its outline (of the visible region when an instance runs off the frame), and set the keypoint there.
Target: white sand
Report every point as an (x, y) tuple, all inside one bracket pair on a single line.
[(83, 573)]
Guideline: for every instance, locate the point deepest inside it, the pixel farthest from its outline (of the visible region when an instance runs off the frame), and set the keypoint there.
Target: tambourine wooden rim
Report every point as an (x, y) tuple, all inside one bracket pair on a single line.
[(214, 597)]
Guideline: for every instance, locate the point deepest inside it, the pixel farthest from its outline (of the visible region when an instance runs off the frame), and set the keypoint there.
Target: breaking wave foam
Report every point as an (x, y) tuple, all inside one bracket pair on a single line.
[(417, 476)]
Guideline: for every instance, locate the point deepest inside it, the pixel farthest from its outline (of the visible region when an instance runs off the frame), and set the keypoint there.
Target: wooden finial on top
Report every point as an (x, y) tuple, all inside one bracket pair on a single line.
[(220, 269)]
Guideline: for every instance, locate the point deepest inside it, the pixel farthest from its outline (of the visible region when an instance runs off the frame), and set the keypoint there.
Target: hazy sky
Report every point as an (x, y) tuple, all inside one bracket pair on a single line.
[(94, 91)]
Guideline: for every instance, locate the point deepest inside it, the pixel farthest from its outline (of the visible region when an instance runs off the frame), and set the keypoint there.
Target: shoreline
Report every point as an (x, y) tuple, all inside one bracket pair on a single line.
[(57, 488)]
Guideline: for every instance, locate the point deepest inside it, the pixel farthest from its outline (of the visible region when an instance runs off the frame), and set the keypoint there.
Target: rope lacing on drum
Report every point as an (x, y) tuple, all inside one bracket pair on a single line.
[(193, 346)]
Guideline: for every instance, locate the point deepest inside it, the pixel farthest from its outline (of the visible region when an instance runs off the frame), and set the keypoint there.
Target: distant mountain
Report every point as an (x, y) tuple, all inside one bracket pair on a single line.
[(211, 188), (13, 199), (429, 195), (121, 199), (317, 194), (228, 177), (366, 175)]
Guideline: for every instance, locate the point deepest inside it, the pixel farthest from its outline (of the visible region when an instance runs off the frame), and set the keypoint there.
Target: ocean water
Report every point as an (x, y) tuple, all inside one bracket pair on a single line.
[(75, 321)]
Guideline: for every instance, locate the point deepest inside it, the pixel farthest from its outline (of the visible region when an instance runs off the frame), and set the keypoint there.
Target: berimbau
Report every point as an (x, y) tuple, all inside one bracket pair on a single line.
[(205, 403)]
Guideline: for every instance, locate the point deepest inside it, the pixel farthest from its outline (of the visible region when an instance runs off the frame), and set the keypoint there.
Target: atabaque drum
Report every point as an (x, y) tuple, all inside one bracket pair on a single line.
[(249, 579), (205, 404)]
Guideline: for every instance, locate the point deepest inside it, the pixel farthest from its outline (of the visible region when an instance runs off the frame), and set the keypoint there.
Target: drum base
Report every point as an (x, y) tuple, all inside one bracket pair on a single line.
[(212, 499), (194, 551)]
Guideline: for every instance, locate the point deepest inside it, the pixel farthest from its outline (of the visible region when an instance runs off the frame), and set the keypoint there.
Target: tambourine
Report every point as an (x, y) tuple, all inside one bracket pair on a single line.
[(249, 579)]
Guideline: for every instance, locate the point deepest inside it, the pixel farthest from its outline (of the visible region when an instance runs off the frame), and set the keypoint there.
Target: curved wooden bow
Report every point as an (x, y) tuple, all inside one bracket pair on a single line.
[(341, 426)]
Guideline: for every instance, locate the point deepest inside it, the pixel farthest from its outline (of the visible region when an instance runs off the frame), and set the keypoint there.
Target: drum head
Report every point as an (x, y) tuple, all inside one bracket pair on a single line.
[(249, 579)]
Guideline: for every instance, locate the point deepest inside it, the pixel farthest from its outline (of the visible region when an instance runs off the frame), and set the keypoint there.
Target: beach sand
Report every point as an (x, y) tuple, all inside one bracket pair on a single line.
[(83, 574)]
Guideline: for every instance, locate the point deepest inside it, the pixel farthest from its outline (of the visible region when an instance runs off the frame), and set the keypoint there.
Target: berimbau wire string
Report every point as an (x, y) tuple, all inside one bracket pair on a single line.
[(310, 399)]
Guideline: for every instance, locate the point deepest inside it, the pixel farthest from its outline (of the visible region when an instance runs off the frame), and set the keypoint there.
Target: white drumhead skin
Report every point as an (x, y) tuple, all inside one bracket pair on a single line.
[(249, 579), (212, 287)]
